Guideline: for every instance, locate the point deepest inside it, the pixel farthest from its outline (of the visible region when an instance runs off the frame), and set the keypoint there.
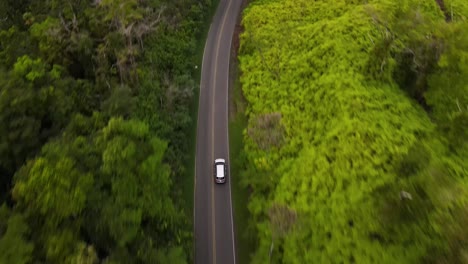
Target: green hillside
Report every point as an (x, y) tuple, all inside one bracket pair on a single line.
[(356, 145)]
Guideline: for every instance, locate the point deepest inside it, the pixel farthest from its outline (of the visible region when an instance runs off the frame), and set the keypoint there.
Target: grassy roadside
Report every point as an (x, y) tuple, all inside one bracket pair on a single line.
[(188, 178), (245, 240)]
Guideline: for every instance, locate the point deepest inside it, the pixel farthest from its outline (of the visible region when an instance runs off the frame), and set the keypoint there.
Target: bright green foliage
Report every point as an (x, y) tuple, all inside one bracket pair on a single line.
[(407, 47), (131, 164), (33, 105), (85, 255), (48, 34), (457, 132), (111, 178), (120, 102), (172, 255), (59, 244), (448, 86), (32, 70), (354, 146), (53, 186), (457, 10), (9, 53), (122, 12), (14, 248)]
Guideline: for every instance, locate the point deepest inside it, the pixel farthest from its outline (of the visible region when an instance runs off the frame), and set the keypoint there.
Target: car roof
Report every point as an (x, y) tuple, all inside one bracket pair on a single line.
[(220, 170), (220, 160)]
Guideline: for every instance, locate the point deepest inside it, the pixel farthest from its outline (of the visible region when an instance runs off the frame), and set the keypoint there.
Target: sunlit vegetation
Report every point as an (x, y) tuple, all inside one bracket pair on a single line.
[(356, 147), (94, 116)]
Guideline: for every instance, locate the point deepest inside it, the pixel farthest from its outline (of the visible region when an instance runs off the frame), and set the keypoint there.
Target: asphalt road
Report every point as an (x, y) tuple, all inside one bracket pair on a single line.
[(214, 227)]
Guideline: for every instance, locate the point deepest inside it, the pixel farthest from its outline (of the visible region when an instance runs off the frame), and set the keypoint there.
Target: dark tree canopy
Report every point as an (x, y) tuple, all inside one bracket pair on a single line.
[(94, 114)]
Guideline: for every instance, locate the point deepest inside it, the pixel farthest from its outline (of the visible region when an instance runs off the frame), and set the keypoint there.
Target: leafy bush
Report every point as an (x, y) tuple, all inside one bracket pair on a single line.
[(361, 164)]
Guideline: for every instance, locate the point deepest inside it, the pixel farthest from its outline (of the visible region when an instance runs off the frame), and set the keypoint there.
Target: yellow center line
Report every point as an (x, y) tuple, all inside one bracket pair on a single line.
[(212, 183), (213, 222), (212, 129)]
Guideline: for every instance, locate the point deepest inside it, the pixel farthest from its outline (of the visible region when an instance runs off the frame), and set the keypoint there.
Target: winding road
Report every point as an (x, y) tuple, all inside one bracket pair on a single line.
[(214, 227)]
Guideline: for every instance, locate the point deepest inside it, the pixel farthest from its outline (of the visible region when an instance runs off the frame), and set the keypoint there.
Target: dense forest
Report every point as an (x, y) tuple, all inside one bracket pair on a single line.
[(94, 120), (356, 148)]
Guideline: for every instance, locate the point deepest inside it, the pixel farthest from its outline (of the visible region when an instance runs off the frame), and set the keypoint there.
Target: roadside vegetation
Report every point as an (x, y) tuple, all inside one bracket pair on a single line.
[(94, 118), (245, 240), (356, 145)]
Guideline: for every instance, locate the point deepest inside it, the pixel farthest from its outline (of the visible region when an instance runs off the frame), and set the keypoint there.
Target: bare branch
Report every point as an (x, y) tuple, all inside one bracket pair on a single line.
[(405, 195), (267, 131), (382, 65), (64, 24), (282, 219), (370, 38), (146, 27), (127, 31), (458, 104)]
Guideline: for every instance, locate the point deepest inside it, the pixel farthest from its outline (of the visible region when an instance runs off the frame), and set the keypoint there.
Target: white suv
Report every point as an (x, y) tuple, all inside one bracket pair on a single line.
[(220, 170)]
